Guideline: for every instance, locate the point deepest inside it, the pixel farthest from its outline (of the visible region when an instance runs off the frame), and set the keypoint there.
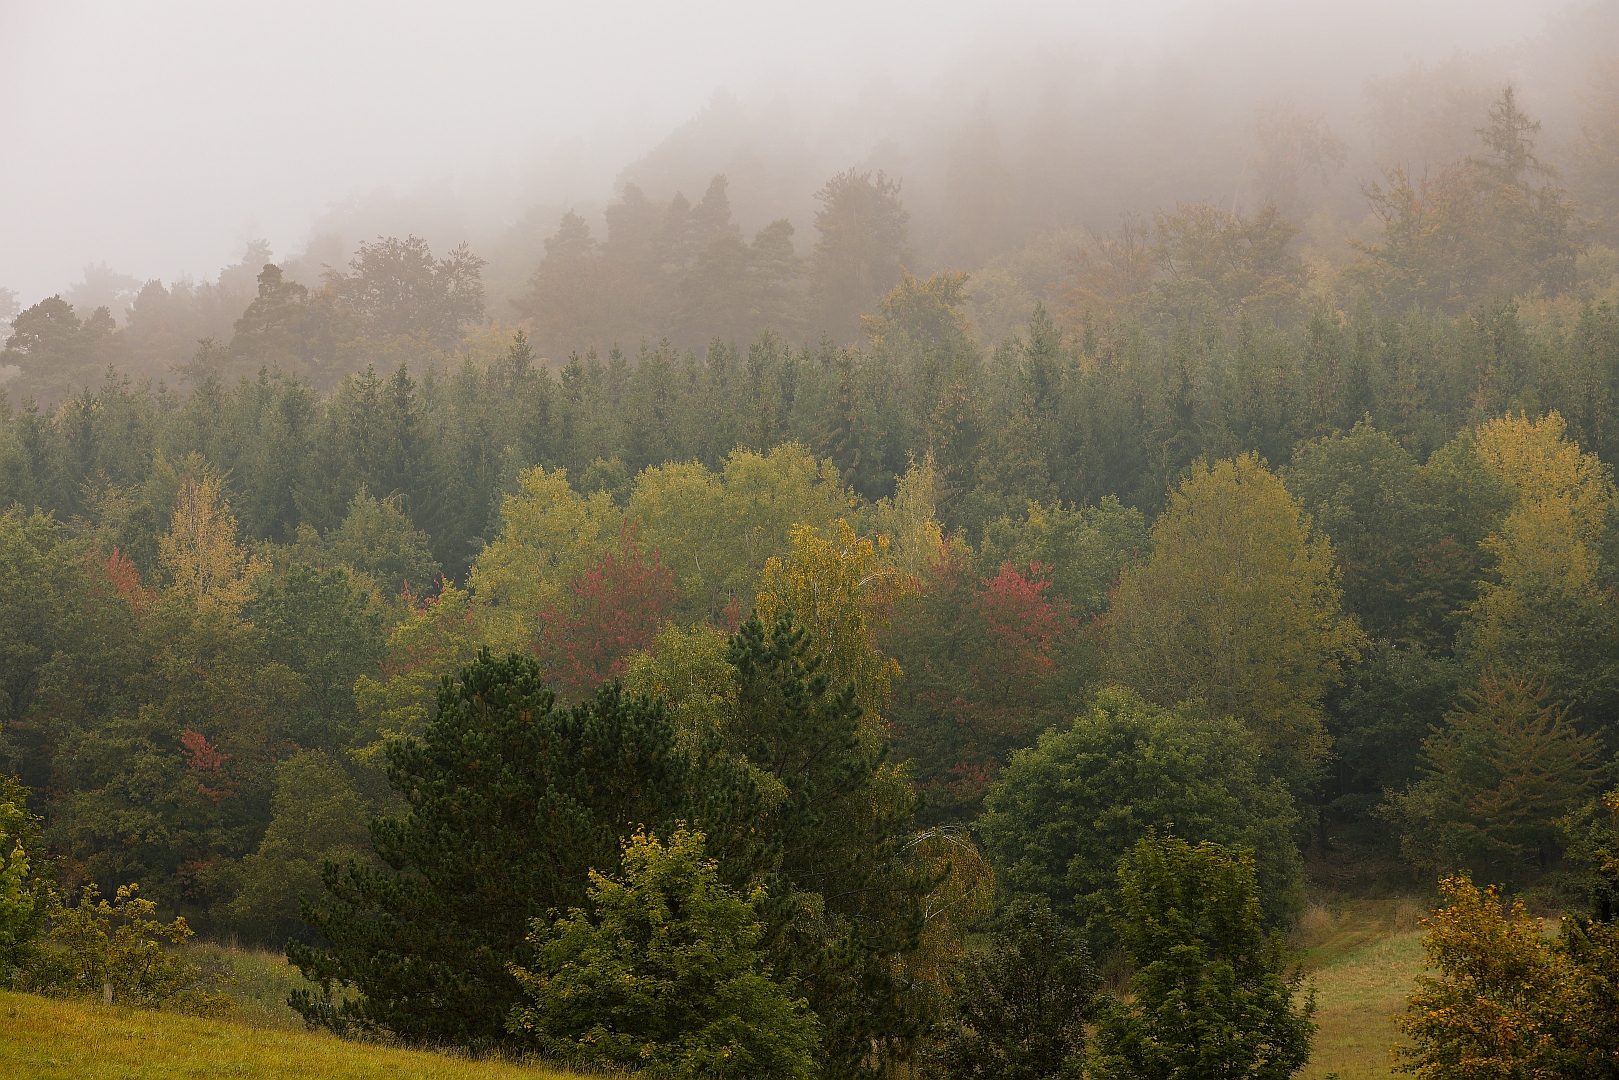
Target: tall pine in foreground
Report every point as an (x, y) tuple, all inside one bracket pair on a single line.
[(512, 801)]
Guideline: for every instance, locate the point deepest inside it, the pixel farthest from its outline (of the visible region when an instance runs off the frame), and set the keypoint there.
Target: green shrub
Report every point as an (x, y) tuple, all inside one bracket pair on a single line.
[(115, 952)]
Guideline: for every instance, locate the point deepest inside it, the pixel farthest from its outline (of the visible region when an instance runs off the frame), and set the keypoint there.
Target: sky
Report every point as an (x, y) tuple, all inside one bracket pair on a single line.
[(161, 137)]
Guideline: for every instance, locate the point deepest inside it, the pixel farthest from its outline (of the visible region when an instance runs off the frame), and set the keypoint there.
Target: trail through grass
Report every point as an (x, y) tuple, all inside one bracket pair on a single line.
[(1362, 957), (44, 1039)]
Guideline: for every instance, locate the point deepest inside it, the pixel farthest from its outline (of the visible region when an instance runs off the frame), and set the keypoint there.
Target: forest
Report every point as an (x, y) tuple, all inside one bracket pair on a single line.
[(733, 656)]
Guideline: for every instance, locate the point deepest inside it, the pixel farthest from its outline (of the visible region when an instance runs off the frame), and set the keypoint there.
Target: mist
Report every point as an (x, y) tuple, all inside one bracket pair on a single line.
[(158, 142)]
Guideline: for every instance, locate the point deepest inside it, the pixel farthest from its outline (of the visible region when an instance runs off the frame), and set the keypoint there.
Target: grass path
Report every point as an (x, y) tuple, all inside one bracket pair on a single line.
[(1362, 959), (43, 1039)]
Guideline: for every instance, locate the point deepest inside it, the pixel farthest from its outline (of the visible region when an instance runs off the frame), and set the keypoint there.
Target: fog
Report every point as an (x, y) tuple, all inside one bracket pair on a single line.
[(158, 140)]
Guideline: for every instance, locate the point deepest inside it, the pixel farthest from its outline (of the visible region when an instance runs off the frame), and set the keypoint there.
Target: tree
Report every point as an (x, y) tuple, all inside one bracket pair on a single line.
[(1212, 260), (663, 974), (1505, 1001), (1018, 1008), (1062, 813), (1500, 775), (1239, 606), (316, 817), (1211, 993), (58, 351), (1476, 231), (609, 611), (510, 802), (397, 289), (1547, 610), (845, 909), (200, 551), (858, 257), (1403, 576), (378, 539)]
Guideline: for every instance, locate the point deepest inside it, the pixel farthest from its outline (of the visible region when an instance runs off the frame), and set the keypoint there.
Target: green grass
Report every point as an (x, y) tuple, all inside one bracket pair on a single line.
[(257, 979), (45, 1039), (1362, 957)]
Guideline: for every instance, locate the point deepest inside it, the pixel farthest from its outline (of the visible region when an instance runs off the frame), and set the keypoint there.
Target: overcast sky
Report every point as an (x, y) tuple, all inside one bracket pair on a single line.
[(160, 137)]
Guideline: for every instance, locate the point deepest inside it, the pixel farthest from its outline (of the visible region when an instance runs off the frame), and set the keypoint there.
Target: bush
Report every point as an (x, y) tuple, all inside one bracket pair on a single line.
[(665, 975), (24, 897), (1018, 1009), (115, 952)]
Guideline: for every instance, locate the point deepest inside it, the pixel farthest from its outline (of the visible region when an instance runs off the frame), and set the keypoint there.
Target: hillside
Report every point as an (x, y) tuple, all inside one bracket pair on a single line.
[(46, 1040)]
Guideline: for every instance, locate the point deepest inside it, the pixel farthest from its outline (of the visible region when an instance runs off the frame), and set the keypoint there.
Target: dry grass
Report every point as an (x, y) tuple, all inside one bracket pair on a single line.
[(44, 1039), (1362, 957)]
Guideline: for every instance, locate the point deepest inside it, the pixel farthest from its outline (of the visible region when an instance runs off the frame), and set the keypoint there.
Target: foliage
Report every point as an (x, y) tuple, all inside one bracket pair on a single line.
[(1506, 1001), (24, 894), (663, 974), (1500, 775), (1239, 606), (200, 552), (316, 817), (1064, 812), (1479, 230), (1018, 1008), (510, 800), (1211, 993), (840, 590), (611, 610), (115, 951)]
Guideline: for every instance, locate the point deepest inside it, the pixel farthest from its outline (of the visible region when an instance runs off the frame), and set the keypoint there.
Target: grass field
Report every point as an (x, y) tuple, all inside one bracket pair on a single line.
[(1362, 957)]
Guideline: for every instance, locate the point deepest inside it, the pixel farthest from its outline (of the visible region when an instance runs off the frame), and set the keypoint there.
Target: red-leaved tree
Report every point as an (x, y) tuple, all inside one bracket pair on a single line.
[(610, 611)]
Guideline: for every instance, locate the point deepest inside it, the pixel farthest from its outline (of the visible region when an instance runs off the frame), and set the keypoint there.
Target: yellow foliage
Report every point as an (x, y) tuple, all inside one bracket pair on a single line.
[(909, 520), (200, 551), (1491, 1010), (1549, 539), (1239, 606), (841, 590), (548, 534)]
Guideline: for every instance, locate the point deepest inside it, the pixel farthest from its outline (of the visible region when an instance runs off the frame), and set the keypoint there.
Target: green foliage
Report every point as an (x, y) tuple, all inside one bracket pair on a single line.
[(510, 802), (1064, 812), (316, 817), (25, 895), (663, 974), (1019, 1007), (1210, 991), (1240, 606), (844, 907), (1500, 775), (377, 539), (115, 951)]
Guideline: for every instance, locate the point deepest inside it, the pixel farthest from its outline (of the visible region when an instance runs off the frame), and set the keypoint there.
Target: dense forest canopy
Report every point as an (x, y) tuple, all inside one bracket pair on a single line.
[(841, 626)]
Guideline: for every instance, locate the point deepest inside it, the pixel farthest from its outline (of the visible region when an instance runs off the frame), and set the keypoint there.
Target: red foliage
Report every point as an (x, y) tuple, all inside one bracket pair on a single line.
[(206, 764), (1023, 622), (610, 611), (117, 572)]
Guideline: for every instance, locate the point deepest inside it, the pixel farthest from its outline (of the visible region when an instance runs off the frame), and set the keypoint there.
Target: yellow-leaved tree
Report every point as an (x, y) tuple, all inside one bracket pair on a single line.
[(200, 551), (1240, 606), (1546, 610), (841, 589)]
